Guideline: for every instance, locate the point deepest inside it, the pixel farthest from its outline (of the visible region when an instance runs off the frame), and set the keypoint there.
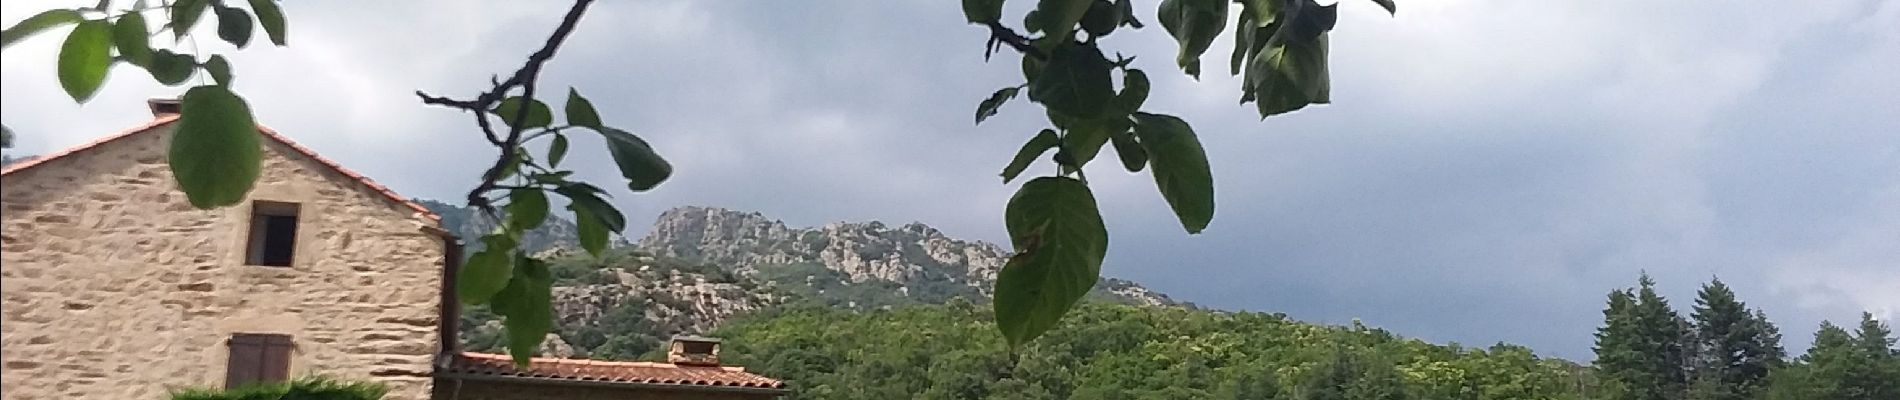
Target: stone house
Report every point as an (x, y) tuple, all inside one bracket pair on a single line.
[(112, 286)]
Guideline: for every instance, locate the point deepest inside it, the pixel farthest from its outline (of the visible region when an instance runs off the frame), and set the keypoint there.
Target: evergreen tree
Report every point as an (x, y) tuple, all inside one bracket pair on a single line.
[(1873, 342), (1830, 363), (1874, 338), (1847, 367), (1769, 339), (1641, 345), (1662, 333), (1734, 348), (1619, 358)]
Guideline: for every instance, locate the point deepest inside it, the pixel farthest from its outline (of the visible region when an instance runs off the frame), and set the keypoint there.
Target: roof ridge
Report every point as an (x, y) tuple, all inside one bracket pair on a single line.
[(262, 130), (490, 364), (576, 361), (42, 159)]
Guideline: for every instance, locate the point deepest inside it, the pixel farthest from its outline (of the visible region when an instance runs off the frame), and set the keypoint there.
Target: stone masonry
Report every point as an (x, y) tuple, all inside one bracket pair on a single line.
[(112, 286)]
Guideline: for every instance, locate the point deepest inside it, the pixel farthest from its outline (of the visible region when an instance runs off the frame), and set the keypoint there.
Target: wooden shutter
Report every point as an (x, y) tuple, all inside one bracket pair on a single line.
[(257, 358)]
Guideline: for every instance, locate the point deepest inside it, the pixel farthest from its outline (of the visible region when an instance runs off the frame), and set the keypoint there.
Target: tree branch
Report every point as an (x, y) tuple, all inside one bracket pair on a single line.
[(1016, 41), (524, 78)]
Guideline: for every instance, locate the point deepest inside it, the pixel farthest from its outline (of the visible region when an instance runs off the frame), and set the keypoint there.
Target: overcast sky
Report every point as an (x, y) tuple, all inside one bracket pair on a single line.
[(1489, 171)]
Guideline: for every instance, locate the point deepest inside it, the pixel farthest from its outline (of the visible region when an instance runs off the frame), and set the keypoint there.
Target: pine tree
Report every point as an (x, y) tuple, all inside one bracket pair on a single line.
[(1881, 365), (1734, 349), (1618, 355), (1831, 363), (1662, 333), (1769, 339), (1640, 347), (1874, 338)]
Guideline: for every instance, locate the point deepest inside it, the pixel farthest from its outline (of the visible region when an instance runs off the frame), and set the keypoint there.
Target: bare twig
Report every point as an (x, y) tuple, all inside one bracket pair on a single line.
[(524, 79)]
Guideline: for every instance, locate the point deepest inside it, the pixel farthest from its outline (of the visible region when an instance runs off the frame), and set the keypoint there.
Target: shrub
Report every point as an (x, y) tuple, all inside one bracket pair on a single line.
[(311, 388)]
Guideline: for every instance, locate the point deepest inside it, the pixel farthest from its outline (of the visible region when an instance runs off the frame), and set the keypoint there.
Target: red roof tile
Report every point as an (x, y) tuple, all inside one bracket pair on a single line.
[(611, 371), (266, 131)]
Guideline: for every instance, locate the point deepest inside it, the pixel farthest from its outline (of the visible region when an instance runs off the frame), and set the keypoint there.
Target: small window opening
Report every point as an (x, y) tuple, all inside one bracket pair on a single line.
[(273, 240), (257, 358), (698, 348)]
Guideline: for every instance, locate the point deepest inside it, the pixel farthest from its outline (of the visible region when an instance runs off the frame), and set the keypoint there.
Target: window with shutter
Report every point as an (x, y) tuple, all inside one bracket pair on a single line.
[(257, 357)]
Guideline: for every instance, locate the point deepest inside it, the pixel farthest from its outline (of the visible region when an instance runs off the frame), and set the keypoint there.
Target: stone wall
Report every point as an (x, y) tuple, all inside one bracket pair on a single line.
[(487, 390), (113, 287)]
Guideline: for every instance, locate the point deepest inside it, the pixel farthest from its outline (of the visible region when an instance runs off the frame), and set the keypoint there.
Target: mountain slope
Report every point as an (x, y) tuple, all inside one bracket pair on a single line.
[(917, 262), (1110, 351), (469, 224), (703, 266)]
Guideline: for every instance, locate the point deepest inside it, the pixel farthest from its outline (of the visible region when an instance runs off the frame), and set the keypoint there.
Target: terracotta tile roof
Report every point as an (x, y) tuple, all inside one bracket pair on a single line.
[(610, 371), (266, 131)]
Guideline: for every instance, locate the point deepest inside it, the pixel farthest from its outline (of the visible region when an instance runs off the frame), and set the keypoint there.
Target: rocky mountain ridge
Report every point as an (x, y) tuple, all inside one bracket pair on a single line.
[(913, 255), (700, 267)]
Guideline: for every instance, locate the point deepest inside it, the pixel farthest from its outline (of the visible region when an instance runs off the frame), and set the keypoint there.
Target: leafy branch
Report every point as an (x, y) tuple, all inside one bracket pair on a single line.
[(524, 79), (1053, 222), (513, 284)]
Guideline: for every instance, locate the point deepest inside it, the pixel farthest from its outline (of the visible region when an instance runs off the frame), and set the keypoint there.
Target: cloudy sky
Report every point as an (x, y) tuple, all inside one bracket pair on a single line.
[(1490, 170)]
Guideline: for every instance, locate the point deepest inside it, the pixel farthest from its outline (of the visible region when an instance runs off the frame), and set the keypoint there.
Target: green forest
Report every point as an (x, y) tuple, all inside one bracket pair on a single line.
[(843, 342), (1111, 351)]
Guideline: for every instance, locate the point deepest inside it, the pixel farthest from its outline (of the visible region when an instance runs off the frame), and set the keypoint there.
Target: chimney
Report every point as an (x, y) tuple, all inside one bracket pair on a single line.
[(694, 350), (164, 107)]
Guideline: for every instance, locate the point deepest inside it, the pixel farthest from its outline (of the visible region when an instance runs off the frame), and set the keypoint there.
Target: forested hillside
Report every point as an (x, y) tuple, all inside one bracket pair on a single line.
[(867, 311), (1111, 351)]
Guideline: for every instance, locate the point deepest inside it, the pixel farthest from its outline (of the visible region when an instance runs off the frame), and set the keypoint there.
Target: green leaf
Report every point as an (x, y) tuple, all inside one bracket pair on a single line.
[(538, 113), (1390, 7), (1134, 91), (988, 107), (1244, 44), (1058, 17), (1075, 82), (38, 22), (1060, 242), (527, 208), (1102, 18), (982, 11), (1128, 13), (215, 154), (583, 197), (234, 25), (1180, 168), (185, 14), (1031, 150), (487, 272), (592, 232), (557, 150), (85, 58), (1032, 68), (1289, 77), (528, 305), (642, 167), (1085, 138), (171, 68), (272, 18), (1194, 24), (580, 112), (133, 41), (1312, 21), (220, 69), (1132, 155)]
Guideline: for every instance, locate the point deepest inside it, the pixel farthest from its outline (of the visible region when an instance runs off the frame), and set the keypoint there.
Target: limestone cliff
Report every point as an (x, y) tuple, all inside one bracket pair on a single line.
[(699, 267), (917, 259)]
